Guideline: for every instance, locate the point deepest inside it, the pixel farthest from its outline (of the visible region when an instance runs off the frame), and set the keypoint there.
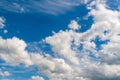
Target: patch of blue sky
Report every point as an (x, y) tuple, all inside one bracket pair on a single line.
[(40, 47), (86, 24), (99, 42), (80, 48), (2, 63), (76, 48), (21, 73), (93, 56), (18, 72), (113, 4)]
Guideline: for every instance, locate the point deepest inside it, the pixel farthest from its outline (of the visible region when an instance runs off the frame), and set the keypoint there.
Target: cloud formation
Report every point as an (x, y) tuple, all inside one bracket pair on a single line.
[(75, 56), (13, 51), (84, 66)]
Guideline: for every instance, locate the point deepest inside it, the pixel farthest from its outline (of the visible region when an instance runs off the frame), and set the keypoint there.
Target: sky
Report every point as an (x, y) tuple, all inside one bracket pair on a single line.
[(59, 40)]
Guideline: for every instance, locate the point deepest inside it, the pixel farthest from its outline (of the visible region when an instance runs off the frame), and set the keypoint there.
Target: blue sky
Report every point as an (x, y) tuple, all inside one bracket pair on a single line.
[(21, 24), (59, 40)]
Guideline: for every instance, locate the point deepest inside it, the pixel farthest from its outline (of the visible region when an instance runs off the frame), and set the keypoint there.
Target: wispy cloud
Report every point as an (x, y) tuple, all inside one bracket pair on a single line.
[(2, 21), (4, 73), (54, 7)]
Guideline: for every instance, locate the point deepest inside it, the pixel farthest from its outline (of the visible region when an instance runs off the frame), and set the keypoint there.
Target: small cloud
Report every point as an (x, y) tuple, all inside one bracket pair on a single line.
[(5, 31), (36, 78), (2, 21), (4, 73), (74, 25)]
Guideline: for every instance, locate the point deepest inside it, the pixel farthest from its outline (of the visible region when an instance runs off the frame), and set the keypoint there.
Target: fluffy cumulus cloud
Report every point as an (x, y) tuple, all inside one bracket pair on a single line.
[(75, 54), (13, 51), (104, 63), (55, 68)]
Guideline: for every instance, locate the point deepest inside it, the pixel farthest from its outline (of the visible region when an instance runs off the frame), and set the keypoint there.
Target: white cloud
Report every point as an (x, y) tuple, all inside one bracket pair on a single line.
[(90, 69), (61, 44), (5, 31), (13, 51), (36, 78), (74, 25), (109, 22), (54, 68), (2, 21), (4, 73)]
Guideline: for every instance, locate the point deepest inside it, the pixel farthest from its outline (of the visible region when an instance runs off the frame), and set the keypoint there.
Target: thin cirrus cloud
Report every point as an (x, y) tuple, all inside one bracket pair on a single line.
[(53, 7)]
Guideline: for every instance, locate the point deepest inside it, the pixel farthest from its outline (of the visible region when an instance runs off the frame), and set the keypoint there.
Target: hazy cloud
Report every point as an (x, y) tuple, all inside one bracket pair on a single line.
[(4, 73)]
